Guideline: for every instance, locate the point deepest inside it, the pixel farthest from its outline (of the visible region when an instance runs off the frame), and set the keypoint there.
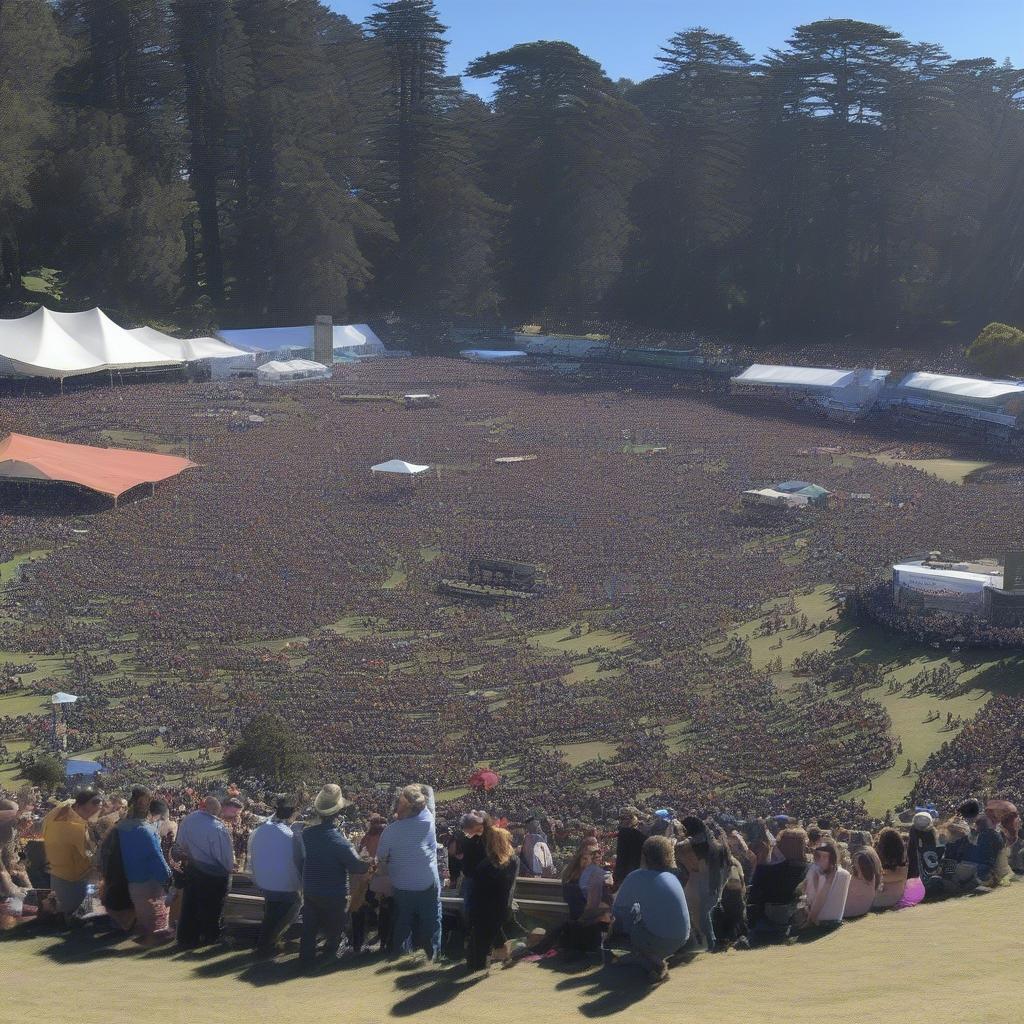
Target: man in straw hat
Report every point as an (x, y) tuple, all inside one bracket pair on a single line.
[(409, 848), (328, 858)]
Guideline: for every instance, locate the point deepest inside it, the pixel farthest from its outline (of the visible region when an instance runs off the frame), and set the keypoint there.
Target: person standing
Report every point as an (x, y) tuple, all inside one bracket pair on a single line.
[(493, 879), (409, 848), (275, 860), (328, 859), (204, 845), (69, 848), (145, 869), (629, 842)]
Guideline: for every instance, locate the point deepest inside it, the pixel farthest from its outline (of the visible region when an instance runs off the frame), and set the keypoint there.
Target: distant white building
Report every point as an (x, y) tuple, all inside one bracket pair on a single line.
[(841, 393)]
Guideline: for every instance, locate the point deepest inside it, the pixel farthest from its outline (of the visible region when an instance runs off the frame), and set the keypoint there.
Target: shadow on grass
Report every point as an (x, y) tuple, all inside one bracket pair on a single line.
[(437, 987), (611, 989), (81, 945)]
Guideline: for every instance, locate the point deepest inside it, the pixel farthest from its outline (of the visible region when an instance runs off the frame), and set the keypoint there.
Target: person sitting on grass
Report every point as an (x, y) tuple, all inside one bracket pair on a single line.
[(892, 853), (772, 899), (14, 880), (826, 887), (865, 876), (650, 907), (988, 844)]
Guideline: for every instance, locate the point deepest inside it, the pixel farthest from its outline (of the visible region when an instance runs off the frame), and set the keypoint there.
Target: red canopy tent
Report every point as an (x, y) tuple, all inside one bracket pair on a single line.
[(110, 471)]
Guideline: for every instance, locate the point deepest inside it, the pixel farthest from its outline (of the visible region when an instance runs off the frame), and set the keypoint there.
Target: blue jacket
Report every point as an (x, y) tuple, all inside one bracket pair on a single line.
[(329, 857), (141, 855)]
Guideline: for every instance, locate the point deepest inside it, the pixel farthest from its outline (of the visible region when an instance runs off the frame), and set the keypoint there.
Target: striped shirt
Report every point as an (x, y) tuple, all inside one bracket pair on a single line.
[(409, 847)]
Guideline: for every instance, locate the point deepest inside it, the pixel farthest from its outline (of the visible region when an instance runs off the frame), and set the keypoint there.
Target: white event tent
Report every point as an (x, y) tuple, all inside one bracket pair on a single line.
[(224, 359), (284, 372), (400, 467), (59, 345)]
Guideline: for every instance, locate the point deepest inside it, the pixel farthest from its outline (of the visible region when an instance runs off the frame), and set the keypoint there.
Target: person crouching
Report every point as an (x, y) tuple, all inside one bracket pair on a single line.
[(650, 907)]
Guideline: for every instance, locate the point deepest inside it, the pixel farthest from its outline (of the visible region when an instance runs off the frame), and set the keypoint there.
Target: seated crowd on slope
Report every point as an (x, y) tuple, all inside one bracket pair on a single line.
[(658, 891)]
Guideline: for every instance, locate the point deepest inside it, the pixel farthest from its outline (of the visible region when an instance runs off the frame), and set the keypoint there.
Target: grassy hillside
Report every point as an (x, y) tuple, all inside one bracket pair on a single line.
[(955, 961)]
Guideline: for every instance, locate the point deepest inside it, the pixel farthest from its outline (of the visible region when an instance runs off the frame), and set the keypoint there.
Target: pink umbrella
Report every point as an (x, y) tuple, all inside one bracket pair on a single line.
[(484, 779)]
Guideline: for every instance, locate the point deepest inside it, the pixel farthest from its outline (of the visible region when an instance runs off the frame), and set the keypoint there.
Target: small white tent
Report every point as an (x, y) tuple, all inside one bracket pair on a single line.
[(63, 698), (400, 467), (284, 372)]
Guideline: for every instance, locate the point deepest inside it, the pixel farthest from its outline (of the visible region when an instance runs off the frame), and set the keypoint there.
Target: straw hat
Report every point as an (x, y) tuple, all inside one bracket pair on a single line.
[(329, 801)]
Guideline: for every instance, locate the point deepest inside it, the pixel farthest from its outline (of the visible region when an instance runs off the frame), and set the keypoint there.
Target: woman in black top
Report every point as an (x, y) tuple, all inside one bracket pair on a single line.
[(493, 879)]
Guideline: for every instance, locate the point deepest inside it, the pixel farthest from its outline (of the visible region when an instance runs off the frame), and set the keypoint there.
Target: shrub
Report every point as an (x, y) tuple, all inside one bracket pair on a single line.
[(999, 349)]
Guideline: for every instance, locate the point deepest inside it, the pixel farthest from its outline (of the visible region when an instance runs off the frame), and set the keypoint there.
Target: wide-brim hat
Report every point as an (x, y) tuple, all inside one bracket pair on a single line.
[(330, 800)]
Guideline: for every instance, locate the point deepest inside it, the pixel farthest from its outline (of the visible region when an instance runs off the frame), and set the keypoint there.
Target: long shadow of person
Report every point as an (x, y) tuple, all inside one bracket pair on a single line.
[(615, 989), (443, 986)]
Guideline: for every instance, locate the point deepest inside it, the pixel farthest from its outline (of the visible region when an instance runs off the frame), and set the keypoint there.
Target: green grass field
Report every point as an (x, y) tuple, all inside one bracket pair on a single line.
[(901, 660), (953, 471), (954, 961)]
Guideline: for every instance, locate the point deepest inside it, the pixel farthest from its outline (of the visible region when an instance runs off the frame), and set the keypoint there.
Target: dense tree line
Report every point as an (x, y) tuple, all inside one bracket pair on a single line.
[(265, 160)]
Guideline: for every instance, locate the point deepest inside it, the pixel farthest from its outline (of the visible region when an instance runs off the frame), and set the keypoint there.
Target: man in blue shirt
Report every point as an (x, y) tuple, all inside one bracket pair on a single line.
[(650, 907), (409, 848), (328, 858), (203, 842), (275, 860)]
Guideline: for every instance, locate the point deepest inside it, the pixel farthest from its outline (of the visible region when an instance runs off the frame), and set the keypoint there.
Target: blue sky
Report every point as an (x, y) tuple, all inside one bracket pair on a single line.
[(624, 35)]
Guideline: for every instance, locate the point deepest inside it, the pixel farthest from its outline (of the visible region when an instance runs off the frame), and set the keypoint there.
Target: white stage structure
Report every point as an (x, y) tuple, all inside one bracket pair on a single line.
[(348, 340)]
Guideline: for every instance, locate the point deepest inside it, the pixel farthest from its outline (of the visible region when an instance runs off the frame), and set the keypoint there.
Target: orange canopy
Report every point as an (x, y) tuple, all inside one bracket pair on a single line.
[(107, 470)]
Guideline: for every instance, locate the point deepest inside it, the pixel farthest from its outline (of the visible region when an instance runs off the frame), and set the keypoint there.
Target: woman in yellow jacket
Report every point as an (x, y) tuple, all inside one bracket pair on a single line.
[(69, 848)]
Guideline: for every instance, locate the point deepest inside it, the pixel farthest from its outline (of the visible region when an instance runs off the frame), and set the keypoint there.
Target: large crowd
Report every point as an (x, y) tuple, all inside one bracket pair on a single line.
[(180, 616), (651, 892)]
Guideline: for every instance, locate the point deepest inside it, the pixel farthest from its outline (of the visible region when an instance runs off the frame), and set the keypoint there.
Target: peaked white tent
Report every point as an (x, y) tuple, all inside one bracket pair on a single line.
[(63, 698), (399, 466), (59, 345), (224, 359), (278, 372)]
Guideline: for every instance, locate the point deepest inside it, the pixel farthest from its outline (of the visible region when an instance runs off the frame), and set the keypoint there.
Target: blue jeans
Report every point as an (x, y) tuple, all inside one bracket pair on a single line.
[(417, 918)]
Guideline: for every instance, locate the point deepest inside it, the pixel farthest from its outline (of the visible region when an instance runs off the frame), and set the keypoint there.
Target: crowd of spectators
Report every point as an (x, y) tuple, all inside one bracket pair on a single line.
[(653, 892), (254, 583)]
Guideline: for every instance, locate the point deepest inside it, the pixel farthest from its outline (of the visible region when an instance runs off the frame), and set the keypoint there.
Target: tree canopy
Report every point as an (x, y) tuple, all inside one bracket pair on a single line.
[(269, 750), (262, 161)]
